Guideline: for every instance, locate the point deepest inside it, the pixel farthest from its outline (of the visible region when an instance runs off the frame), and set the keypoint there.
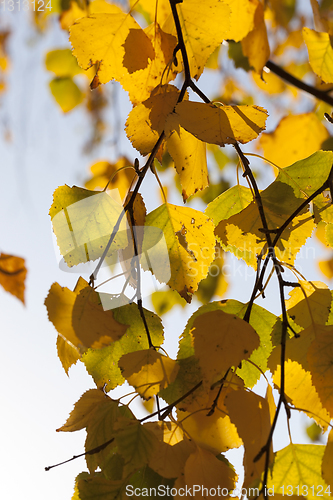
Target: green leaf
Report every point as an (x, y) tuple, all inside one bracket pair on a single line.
[(96, 487), (299, 465), (229, 203), (136, 444)]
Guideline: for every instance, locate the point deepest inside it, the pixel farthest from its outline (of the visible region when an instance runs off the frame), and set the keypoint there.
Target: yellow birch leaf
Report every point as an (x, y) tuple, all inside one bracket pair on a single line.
[(241, 18), (255, 45), (104, 172), (269, 82), (123, 51), (79, 317), (67, 353), (189, 155), (148, 371), (221, 124), (296, 137), (320, 357), (320, 53), (164, 300), (203, 470), (95, 327), (12, 275), (296, 347), (228, 341), (157, 11), (215, 432), (326, 267), (327, 464), (302, 393), (251, 415), (83, 221), (146, 121), (174, 448), (190, 241), (204, 27), (74, 12), (66, 93), (241, 233), (62, 63), (310, 303)]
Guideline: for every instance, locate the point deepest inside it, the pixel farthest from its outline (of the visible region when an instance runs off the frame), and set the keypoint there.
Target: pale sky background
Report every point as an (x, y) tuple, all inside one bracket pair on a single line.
[(44, 152)]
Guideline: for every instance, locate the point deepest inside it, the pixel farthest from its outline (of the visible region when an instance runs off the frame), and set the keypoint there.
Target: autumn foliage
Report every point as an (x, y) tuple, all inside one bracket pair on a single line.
[(204, 400)]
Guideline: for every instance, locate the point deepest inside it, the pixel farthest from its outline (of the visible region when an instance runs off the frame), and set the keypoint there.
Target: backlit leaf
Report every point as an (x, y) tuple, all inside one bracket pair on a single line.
[(103, 172), (102, 364), (174, 448), (255, 45), (327, 465), (241, 233), (320, 53), (84, 410), (83, 222), (123, 51), (310, 303), (190, 240), (67, 353), (95, 327), (62, 63), (213, 432), (189, 155), (204, 469), (299, 465), (302, 393), (320, 357), (229, 203), (295, 137), (66, 93), (148, 371), (242, 14), (146, 121), (221, 124), (12, 275), (204, 26), (254, 421), (136, 443), (156, 11), (228, 341), (80, 318), (93, 486), (164, 301)]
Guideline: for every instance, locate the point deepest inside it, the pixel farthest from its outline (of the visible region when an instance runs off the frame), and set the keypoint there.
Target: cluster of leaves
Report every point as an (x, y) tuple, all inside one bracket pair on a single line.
[(226, 345)]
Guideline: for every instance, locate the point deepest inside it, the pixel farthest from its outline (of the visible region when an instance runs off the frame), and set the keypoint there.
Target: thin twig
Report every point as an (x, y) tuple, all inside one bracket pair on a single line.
[(309, 89)]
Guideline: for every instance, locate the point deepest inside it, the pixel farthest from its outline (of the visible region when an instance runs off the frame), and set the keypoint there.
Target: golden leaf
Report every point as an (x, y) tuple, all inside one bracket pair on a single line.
[(221, 124), (295, 137), (12, 275), (320, 53)]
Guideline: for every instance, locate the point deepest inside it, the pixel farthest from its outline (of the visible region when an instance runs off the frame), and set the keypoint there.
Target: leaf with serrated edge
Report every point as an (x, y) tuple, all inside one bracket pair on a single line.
[(190, 241), (148, 371), (221, 124)]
